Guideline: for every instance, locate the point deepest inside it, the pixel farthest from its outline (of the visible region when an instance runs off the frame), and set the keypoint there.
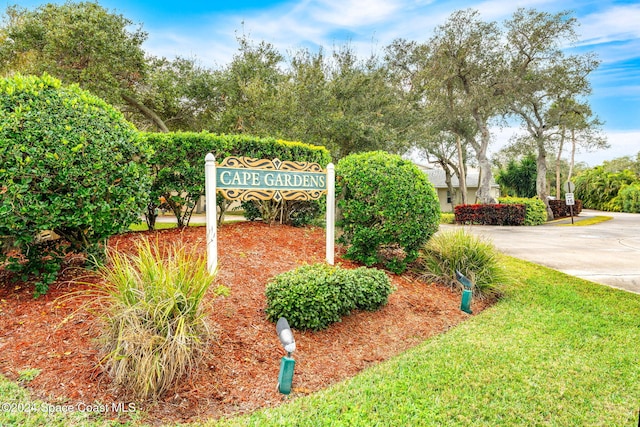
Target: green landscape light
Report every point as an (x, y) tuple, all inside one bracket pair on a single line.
[(467, 292), (285, 377)]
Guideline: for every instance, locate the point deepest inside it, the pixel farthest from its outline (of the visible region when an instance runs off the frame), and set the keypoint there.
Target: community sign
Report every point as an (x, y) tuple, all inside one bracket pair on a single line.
[(245, 178)]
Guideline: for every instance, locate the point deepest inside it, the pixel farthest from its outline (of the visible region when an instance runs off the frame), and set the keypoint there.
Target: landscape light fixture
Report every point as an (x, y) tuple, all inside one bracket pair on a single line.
[(467, 292), (285, 377)]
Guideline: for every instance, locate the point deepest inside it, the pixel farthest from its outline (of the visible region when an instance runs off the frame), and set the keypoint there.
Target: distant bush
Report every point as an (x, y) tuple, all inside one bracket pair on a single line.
[(152, 308), (630, 198), (70, 164), (561, 210), (447, 218), (389, 209), (314, 296), (535, 212), (460, 250), (490, 214), (598, 189)]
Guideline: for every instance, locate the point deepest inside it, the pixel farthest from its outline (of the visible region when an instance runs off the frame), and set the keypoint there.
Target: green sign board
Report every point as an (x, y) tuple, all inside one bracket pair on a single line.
[(227, 178), (243, 178)]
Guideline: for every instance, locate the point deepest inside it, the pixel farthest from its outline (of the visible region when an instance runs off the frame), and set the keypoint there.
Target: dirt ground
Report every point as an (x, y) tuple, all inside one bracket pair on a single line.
[(238, 374)]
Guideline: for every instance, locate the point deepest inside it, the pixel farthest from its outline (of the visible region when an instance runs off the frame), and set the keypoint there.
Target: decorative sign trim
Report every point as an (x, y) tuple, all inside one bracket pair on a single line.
[(246, 178)]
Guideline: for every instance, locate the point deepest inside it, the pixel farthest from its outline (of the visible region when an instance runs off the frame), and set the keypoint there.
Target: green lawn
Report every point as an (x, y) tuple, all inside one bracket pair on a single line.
[(555, 351)]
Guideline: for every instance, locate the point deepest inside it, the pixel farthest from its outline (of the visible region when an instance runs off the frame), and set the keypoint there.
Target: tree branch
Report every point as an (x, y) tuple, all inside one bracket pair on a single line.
[(147, 112)]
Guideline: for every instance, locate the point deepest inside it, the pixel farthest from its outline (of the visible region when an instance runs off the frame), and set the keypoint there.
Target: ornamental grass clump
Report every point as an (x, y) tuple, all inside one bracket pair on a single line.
[(155, 323), (460, 250)]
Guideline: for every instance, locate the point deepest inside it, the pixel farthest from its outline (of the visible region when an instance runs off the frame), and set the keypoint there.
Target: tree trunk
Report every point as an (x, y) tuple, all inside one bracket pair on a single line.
[(558, 163), (147, 112), (541, 178), (462, 171), (484, 185), (449, 182), (573, 154)]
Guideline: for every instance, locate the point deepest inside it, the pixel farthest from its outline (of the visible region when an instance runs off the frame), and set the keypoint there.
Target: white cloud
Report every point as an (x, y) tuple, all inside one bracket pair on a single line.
[(622, 143), (618, 23), (352, 13)]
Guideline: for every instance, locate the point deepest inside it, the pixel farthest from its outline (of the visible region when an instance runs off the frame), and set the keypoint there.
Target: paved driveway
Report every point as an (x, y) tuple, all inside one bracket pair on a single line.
[(607, 253)]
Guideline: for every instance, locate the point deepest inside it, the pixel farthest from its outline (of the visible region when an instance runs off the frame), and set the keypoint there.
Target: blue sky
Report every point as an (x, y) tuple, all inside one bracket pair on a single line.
[(207, 30)]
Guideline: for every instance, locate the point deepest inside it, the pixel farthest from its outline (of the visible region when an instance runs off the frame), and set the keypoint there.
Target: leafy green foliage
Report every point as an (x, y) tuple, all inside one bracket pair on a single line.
[(447, 218), (76, 42), (598, 189), (152, 307), (519, 178), (460, 250), (630, 198), (535, 210), (178, 168), (70, 164), (389, 209), (314, 296)]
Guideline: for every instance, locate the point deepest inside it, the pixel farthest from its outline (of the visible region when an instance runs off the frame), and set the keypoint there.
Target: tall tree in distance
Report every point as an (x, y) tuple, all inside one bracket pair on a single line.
[(541, 75), (465, 69), (575, 122)]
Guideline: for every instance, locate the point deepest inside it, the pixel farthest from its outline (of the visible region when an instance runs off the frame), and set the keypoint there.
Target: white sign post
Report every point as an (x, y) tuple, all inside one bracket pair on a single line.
[(242, 178), (330, 229), (212, 226)]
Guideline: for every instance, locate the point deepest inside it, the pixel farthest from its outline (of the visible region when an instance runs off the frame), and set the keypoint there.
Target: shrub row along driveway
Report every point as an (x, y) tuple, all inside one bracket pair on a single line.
[(607, 253)]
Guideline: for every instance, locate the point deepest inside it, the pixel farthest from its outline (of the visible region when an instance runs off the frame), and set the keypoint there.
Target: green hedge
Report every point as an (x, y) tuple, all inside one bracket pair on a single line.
[(178, 165), (490, 214), (314, 296), (535, 209), (389, 209)]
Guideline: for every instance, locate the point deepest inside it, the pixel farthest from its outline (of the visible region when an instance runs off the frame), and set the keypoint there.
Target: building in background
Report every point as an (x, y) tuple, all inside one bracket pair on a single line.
[(447, 200)]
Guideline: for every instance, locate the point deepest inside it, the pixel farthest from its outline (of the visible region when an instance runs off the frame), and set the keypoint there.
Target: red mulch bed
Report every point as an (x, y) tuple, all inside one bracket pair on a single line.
[(56, 334)]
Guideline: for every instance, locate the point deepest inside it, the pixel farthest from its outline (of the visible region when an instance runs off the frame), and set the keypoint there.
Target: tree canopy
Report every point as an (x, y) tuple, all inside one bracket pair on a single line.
[(444, 96)]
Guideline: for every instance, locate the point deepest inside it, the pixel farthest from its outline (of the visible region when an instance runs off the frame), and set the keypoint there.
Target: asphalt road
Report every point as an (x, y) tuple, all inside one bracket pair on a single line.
[(607, 253)]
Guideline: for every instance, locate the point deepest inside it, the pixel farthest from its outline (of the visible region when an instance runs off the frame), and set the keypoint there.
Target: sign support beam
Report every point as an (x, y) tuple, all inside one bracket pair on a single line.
[(212, 226), (330, 229)]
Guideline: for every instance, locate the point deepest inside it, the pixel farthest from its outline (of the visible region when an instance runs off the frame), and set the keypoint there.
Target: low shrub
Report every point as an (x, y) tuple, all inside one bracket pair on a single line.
[(561, 210), (490, 214), (315, 296), (460, 250), (447, 218), (535, 211), (155, 325), (389, 209)]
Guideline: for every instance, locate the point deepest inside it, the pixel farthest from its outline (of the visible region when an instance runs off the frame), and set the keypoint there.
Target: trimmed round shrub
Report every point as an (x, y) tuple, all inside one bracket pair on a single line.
[(70, 164), (388, 206), (315, 296)]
